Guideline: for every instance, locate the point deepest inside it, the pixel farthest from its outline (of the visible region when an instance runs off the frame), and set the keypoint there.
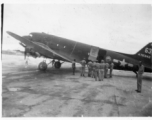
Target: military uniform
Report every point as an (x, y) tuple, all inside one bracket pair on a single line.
[(111, 69), (26, 61), (139, 78), (102, 66), (98, 71), (90, 69), (95, 71), (83, 63), (73, 67), (106, 69), (53, 61)]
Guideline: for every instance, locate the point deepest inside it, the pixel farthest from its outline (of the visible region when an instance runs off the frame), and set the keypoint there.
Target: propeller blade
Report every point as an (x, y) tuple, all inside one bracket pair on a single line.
[(24, 54), (23, 45)]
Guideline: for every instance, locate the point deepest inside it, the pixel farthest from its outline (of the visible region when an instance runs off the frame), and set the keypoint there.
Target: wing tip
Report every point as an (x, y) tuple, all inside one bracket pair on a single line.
[(8, 32)]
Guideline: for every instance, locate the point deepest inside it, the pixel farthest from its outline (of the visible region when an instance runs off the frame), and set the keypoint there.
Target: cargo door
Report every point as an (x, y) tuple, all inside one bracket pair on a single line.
[(93, 53)]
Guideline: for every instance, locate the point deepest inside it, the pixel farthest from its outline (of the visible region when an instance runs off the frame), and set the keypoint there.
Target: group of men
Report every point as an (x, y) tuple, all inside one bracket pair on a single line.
[(97, 70)]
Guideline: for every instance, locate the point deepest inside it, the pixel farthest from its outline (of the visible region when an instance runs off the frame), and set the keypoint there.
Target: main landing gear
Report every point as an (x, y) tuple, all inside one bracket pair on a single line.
[(43, 65), (57, 64)]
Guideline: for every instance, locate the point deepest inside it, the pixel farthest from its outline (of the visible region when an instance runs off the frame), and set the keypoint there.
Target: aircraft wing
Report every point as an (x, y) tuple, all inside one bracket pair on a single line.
[(19, 51), (52, 51), (41, 48)]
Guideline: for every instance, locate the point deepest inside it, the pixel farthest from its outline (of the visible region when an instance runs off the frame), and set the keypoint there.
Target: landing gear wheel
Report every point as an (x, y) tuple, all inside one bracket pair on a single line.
[(57, 65), (42, 66)]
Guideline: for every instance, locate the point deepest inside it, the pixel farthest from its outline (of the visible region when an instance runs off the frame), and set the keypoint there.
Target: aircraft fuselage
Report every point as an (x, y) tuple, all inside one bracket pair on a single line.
[(76, 50)]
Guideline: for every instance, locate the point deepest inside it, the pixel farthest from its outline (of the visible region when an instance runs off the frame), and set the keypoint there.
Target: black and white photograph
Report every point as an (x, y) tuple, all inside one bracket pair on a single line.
[(76, 59)]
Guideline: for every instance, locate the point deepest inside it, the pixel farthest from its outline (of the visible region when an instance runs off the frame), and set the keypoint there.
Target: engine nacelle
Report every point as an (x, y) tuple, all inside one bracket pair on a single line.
[(32, 52)]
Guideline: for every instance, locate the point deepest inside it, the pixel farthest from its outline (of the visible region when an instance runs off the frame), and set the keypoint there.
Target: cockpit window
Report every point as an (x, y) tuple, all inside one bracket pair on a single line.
[(30, 35)]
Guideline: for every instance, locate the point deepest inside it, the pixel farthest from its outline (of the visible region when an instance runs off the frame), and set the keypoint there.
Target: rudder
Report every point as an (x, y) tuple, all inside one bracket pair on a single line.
[(145, 54)]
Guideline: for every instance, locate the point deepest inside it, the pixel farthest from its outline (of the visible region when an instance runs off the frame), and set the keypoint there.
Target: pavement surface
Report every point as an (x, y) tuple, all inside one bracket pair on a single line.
[(27, 92)]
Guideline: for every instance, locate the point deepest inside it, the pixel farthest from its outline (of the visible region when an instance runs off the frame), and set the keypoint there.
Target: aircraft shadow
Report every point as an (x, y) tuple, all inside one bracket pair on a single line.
[(63, 70), (68, 70)]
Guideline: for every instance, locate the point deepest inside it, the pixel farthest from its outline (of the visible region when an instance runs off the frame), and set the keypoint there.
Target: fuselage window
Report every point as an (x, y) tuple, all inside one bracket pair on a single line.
[(57, 44), (64, 46)]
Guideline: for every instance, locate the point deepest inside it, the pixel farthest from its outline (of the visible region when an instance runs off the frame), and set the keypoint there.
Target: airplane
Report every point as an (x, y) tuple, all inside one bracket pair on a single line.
[(62, 49)]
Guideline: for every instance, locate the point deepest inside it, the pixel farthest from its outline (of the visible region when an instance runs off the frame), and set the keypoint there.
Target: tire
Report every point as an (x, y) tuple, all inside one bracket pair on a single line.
[(42, 66), (57, 65)]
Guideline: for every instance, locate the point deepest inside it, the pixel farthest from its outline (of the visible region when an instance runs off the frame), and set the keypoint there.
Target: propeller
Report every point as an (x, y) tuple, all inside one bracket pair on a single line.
[(29, 50), (25, 52)]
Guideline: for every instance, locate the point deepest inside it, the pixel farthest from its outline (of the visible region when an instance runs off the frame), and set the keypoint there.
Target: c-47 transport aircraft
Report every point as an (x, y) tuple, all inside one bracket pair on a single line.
[(53, 47)]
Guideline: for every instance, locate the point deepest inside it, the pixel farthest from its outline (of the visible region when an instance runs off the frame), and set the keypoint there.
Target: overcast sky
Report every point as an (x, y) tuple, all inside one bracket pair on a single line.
[(119, 27)]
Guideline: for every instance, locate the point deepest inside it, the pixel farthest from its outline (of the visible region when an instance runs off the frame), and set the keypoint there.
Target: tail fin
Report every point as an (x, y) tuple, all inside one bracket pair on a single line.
[(145, 54)]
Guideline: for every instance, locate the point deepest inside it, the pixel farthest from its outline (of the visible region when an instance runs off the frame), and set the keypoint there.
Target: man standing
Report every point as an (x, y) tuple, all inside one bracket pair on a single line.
[(94, 67), (106, 69), (111, 68), (102, 66), (83, 63), (73, 66), (26, 60), (98, 71), (53, 61), (139, 77), (90, 68)]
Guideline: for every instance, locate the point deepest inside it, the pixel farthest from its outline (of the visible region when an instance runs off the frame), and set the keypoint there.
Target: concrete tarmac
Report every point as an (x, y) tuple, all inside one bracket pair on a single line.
[(27, 92)]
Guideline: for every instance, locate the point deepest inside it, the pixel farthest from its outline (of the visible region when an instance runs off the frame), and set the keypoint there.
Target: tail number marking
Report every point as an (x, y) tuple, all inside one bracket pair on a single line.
[(148, 50)]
